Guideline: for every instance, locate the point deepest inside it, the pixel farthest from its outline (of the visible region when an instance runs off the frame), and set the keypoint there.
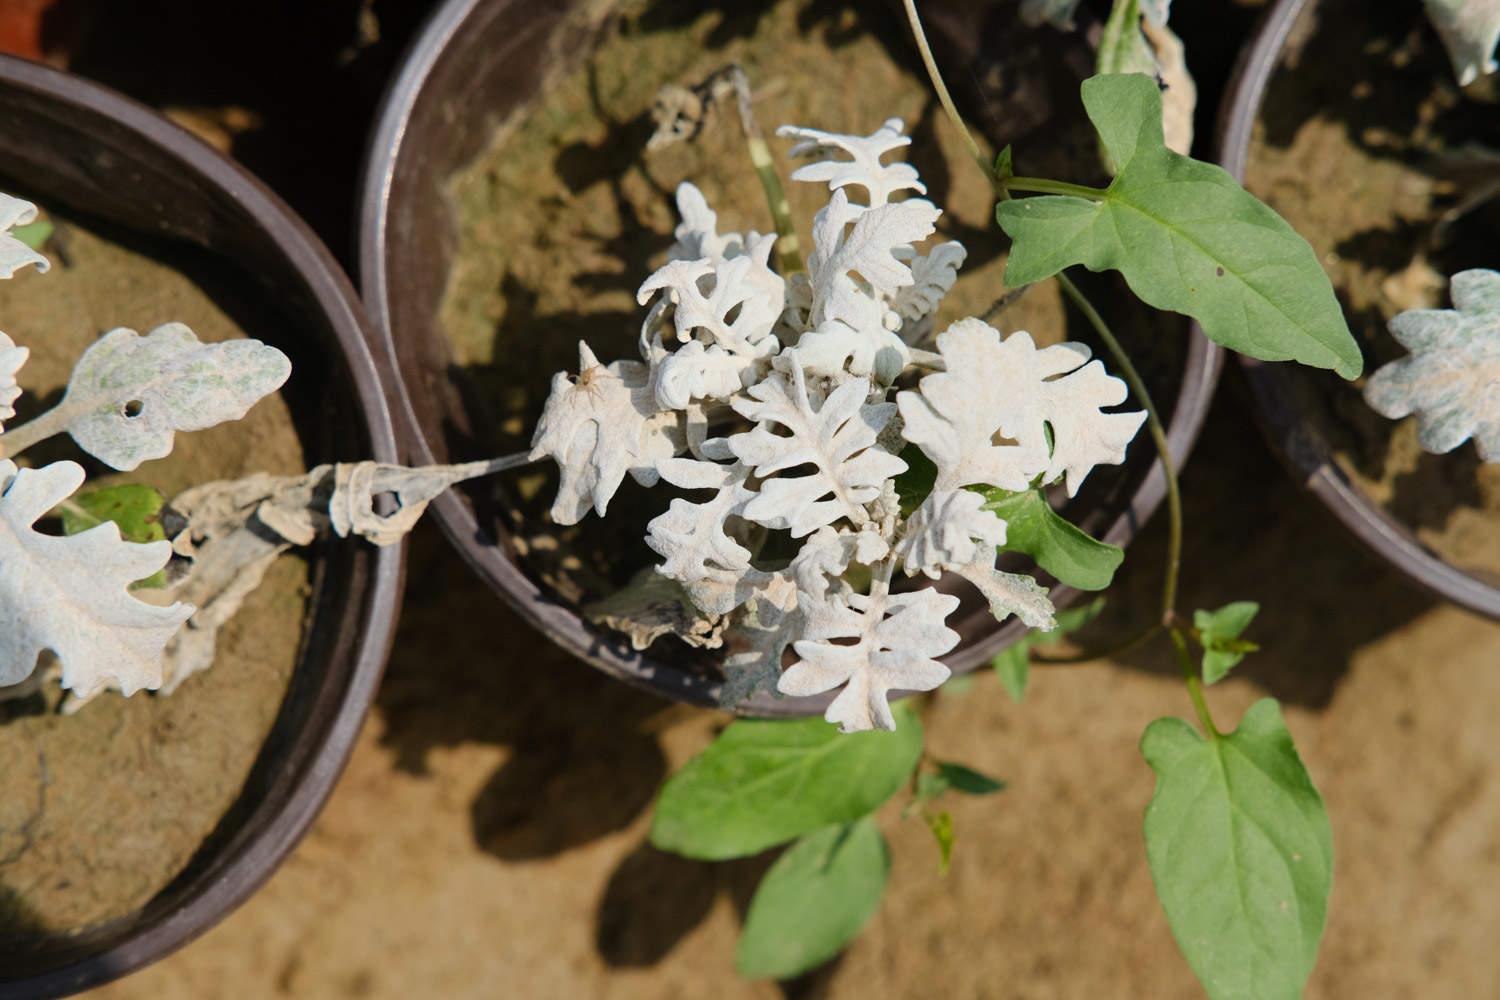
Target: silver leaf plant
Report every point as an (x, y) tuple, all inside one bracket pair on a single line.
[(792, 397), (1451, 379), (70, 596)]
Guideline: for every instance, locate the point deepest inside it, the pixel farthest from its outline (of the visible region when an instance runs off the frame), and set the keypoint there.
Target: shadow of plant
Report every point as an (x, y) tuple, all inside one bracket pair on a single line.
[(1252, 534), (465, 669)]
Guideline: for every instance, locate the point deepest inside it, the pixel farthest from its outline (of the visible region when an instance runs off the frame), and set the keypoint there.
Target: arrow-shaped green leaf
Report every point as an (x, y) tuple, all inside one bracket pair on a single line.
[(1186, 237), (1241, 853)]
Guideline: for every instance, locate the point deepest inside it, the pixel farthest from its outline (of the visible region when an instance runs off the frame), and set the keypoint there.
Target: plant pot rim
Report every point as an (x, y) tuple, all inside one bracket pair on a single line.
[(387, 151), (1302, 446), (322, 747)]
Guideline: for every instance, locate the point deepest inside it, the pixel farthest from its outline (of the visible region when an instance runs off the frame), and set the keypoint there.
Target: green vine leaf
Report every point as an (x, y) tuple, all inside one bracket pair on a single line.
[(951, 777), (965, 780), (814, 900), (133, 507), (1032, 527), (1219, 635), (1186, 237), (764, 783), (1241, 853), (1013, 663)]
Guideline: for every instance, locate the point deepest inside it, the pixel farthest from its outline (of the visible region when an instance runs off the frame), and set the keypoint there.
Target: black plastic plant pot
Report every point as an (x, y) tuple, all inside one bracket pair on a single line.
[(480, 64), (79, 148), (1306, 416)]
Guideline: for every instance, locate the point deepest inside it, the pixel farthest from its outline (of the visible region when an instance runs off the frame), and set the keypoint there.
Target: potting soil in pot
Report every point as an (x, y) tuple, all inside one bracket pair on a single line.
[(1368, 146), (102, 809), (567, 213)]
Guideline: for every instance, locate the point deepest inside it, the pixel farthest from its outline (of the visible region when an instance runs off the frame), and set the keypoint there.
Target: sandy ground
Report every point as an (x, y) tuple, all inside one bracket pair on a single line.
[(488, 838)]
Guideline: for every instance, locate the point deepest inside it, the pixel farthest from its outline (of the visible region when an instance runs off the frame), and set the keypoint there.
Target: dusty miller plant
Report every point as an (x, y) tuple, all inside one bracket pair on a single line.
[(818, 405), (809, 364), (117, 599)]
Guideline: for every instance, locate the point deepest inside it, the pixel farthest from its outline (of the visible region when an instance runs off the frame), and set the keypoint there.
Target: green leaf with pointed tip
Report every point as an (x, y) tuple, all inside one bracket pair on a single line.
[(814, 900), (1004, 165), (763, 783), (1219, 635), (1013, 663), (34, 234), (1186, 237), (1122, 46), (1032, 527), (967, 780), (1241, 853), (957, 778), (134, 508), (941, 825)]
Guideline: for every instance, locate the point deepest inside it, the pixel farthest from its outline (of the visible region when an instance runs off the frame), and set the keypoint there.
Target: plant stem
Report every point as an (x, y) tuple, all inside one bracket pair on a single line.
[(788, 249), (1194, 685), (503, 463), (1158, 437), (926, 359), (1041, 185), (35, 431), (945, 98), (1127, 369)]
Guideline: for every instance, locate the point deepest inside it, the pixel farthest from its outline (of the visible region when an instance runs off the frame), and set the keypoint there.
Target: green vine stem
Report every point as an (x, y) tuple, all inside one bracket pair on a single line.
[(1127, 368), (1158, 438), (788, 250), (1194, 685), (1040, 185)]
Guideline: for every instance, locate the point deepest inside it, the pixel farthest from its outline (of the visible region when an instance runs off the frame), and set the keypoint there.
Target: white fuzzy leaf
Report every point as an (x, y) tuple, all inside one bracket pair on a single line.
[(698, 233), (1010, 593), (1156, 11), (1009, 391), (14, 254), (744, 285), (129, 395), (871, 248), (695, 372), (699, 552), (835, 348), (1451, 379), (827, 553), (951, 529), (836, 439), (11, 360), (1470, 29), (69, 594), (863, 168), (598, 427), (896, 636), (933, 275)]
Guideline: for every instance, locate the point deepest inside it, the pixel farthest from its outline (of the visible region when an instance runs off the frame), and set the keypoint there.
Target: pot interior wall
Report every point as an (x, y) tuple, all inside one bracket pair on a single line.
[(81, 160), (1367, 145), (501, 60)]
